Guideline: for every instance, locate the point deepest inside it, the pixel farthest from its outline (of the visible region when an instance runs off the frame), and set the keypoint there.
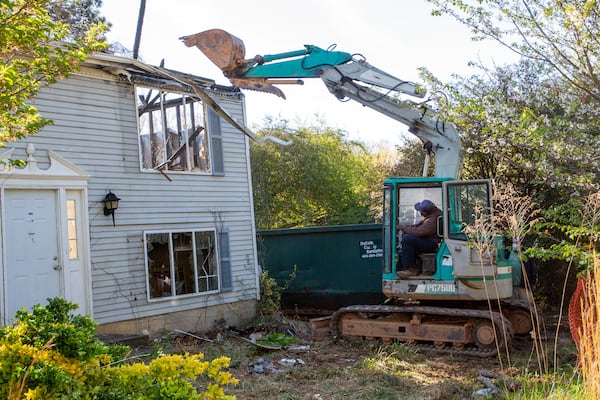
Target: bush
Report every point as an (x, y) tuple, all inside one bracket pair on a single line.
[(270, 293), (51, 354)]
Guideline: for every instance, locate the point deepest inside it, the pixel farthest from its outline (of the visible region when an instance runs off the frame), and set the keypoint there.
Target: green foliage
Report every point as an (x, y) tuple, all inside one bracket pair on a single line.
[(321, 179), (520, 124), (30, 57), (80, 15), (552, 386), (572, 232), (270, 293), (411, 159), (71, 335), (278, 339), (168, 377), (47, 350), (532, 123), (555, 33), (51, 354)]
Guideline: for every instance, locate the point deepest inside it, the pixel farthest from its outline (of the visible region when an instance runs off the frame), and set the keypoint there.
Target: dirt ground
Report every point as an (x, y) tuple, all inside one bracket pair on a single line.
[(353, 368), (345, 368)]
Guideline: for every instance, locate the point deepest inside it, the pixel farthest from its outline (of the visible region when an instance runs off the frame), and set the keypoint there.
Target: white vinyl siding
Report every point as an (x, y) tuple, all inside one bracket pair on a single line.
[(95, 127)]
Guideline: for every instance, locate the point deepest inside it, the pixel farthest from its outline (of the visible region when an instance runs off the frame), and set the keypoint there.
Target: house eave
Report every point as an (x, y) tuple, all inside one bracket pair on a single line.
[(135, 71)]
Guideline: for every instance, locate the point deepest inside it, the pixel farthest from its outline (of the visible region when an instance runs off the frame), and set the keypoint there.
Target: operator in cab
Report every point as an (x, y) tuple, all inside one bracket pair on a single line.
[(419, 238)]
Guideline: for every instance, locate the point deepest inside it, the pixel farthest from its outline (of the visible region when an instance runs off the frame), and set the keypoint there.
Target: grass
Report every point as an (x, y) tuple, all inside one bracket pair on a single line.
[(361, 369), (549, 387), (349, 368)]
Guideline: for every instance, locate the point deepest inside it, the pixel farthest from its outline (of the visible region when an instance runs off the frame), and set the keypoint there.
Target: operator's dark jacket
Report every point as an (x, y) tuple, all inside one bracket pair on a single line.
[(427, 228)]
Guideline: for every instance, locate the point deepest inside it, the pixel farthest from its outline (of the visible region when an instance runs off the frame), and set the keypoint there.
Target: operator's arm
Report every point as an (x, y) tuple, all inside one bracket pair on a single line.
[(425, 228)]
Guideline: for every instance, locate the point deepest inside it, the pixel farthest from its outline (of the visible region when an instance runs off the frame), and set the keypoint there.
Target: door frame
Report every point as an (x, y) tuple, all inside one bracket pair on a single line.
[(65, 179)]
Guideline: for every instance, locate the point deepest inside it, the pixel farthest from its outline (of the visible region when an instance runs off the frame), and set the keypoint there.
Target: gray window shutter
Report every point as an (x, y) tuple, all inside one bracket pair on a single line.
[(225, 262), (214, 131)]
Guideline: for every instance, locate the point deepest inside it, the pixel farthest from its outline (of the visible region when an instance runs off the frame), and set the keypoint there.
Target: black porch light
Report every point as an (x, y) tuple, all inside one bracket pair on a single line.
[(111, 203)]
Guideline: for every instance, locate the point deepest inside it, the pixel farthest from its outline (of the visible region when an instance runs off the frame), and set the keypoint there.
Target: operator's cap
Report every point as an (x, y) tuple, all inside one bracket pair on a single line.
[(425, 205)]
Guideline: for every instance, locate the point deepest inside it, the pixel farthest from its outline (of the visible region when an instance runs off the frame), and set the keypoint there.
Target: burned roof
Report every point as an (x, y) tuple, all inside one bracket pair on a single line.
[(138, 72)]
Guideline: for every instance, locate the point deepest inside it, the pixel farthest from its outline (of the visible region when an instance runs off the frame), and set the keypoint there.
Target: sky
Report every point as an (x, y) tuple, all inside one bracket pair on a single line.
[(397, 36)]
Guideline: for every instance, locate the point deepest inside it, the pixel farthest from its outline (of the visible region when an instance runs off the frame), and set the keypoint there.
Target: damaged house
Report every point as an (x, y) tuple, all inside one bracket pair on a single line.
[(135, 204)]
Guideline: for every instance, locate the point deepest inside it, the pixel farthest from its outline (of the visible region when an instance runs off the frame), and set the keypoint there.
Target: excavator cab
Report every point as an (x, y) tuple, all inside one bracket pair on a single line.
[(465, 266)]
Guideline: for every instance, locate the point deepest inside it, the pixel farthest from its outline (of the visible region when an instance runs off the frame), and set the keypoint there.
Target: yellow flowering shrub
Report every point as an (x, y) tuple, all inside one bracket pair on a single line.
[(50, 354)]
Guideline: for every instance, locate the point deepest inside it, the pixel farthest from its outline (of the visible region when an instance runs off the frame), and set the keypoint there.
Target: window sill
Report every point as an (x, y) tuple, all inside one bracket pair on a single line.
[(180, 172), (182, 296)]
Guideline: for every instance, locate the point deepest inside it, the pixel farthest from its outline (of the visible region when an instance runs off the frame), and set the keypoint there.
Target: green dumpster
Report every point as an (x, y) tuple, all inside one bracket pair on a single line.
[(336, 266)]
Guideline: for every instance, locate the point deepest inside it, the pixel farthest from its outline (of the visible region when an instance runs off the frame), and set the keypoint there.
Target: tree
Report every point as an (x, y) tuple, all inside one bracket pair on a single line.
[(560, 34), (520, 124), (410, 159), (36, 50), (382, 161), (80, 15), (534, 123), (321, 179)]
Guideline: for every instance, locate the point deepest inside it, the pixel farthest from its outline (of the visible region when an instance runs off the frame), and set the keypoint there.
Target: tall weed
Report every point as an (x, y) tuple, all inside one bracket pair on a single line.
[(589, 334)]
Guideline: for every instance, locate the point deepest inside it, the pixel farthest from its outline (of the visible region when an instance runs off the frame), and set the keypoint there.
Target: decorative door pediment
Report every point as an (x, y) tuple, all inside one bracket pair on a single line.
[(59, 169)]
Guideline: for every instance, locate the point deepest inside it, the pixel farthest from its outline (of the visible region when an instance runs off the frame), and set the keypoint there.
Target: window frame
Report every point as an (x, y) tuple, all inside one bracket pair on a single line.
[(389, 215), (209, 128), (73, 230), (462, 198), (172, 264)]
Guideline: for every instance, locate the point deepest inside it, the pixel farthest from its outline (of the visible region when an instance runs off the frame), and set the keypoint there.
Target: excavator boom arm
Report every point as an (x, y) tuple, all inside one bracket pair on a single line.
[(306, 63), (442, 139), (345, 77), (260, 73)]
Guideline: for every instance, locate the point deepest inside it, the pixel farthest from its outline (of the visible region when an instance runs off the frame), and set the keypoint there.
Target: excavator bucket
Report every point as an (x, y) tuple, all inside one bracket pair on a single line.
[(222, 48), (227, 52)]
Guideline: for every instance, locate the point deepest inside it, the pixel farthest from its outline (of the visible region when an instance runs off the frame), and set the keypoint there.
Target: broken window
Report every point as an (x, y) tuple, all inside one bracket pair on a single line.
[(173, 132), (181, 263)]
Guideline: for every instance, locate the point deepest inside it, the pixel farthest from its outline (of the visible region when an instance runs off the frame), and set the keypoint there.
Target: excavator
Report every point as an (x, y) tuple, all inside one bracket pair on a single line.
[(462, 301)]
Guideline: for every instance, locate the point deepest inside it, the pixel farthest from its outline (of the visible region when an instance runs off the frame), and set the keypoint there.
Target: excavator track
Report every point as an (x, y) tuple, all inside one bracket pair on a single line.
[(527, 320), (440, 330)]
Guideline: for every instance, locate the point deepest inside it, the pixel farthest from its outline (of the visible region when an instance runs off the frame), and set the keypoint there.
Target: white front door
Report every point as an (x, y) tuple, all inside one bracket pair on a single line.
[(33, 262)]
